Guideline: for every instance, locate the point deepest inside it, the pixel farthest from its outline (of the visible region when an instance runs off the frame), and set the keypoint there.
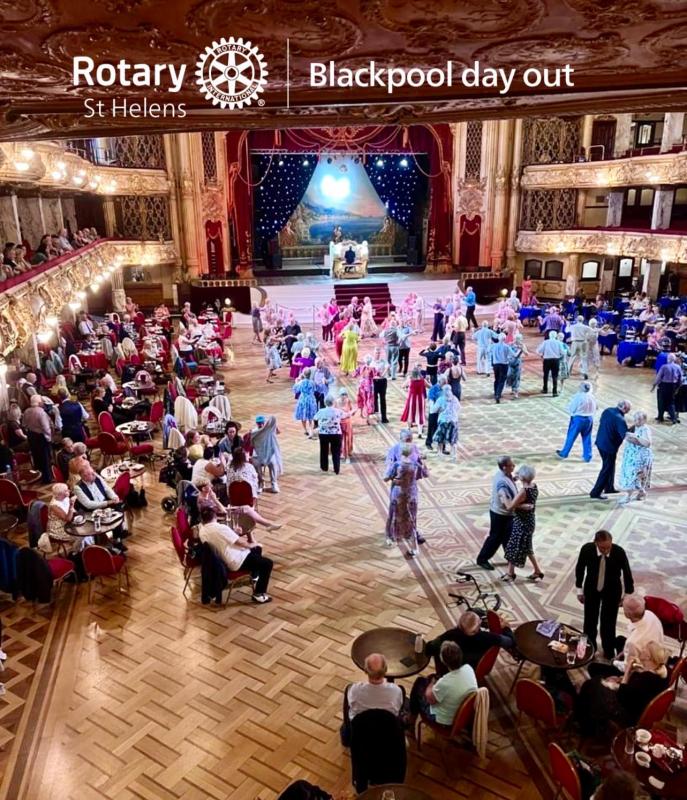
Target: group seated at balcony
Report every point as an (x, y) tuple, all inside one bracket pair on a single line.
[(18, 260)]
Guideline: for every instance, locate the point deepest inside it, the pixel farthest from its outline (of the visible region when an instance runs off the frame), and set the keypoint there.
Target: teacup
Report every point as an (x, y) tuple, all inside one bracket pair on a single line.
[(643, 759)]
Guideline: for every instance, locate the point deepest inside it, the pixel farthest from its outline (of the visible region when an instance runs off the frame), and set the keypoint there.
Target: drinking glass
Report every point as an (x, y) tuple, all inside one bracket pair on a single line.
[(561, 633), (570, 656), (630, 741)]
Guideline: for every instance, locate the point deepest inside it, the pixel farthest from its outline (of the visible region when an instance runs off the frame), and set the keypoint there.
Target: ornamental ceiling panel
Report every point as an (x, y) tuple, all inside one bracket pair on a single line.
[(627, 55)]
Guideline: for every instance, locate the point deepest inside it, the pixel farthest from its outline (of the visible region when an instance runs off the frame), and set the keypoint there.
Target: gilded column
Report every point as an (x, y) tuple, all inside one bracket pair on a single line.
[(514, 200), (585, 143), (188, 204), (571, 272), (490, 144), (499, 221), (118, 293), (174, 225), (109, 216), (458, 130)]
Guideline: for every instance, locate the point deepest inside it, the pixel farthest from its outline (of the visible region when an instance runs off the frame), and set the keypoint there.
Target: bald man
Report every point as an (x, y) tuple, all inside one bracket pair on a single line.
[(375, 693), (474, 641)]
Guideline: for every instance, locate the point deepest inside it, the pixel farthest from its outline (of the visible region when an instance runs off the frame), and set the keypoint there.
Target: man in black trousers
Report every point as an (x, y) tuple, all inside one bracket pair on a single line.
[(602, 576), (609, 436)]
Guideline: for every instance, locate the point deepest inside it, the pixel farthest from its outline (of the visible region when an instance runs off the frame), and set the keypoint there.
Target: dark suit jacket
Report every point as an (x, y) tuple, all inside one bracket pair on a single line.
[(618, 573), (611, 431)]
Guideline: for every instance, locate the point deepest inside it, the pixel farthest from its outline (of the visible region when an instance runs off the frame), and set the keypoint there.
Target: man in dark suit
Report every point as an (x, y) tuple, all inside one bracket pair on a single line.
[(609, 436), (602, 576)]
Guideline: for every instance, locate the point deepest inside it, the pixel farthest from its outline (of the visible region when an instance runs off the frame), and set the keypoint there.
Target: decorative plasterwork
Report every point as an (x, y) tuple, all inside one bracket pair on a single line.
[(24, 308), (213, 204), (50, 158), (470, 198), (652, 246), (668, 168)]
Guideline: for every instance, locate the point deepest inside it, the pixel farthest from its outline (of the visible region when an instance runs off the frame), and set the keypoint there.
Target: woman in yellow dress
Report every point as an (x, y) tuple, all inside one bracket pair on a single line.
[(349, 352)]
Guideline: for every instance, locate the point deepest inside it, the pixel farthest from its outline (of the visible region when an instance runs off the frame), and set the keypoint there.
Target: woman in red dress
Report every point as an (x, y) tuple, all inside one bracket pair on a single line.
[(414, 411), (337, 330)]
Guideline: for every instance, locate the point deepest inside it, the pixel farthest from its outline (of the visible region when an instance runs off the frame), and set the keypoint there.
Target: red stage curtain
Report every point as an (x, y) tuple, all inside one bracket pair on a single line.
[(214, 241), (470, 234), (436, 140)]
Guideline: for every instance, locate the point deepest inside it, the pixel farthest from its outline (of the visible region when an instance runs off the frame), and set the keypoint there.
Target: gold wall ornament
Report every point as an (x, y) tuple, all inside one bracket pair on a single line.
[(470, 198), (213, 204)]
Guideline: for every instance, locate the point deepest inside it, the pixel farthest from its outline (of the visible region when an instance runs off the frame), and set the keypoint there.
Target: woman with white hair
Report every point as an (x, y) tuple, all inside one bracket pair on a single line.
[(638, 458), (519, 547), (60, 513), (593, 349), (513, 376), (447, 422), (306, 406)]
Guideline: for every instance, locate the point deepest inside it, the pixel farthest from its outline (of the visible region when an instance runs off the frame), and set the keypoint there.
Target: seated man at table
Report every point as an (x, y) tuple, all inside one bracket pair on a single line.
[(438, 699), (474, 641), (92, 492), (225, 542), (376, 692)]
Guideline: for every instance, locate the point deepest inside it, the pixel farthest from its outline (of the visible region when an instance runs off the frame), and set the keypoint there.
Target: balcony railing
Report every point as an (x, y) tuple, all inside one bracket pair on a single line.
[(45, 291), (129, 152)]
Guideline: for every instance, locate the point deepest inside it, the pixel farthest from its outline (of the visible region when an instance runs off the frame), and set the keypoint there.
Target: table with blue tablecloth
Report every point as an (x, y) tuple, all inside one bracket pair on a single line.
[(668, 302), (635, 350), (608, 342), (620, 305), (608, 317), (631, 325), (530, 312)]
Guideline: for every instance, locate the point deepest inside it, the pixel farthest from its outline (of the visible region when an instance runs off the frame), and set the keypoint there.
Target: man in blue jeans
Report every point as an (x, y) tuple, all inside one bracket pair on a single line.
[(581, 409)]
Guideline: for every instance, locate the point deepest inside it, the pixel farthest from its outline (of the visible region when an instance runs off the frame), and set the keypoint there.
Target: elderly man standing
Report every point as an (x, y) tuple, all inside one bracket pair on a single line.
[(376, 692), (501, 355), (503, 490), (579, 335), (36, 422), (551, 350), (668, 380), (602, 576), (581, 408), (609, 436)]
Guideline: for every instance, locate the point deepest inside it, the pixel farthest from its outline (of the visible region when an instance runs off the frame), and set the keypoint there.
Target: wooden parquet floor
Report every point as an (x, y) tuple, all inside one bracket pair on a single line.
[(153, 696)]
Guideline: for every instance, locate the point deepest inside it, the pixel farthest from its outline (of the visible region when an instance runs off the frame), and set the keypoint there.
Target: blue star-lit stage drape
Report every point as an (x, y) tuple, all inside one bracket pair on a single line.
[(278, 195), (399, 184)]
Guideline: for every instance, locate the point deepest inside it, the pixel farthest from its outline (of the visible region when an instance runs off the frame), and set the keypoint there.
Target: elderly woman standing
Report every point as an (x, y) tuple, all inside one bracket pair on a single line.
[(519, 545), (514, 374), (402, 520), (306, 406), (349, 352), (447, 422), (638, 458), (266, 450)]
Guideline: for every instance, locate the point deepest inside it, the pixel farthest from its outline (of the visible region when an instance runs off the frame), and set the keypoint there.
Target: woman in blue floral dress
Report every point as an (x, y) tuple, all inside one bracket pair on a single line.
[(638, 458), (306, 407)]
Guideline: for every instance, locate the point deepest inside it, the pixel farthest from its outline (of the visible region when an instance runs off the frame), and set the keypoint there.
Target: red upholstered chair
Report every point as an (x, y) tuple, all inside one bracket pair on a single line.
[(564, 774), (672, 619), (186, 561), (22, 458), (494, 622), (461, 722), (486, 664), (120, 363), (110, 447), (157, 412), (91, 442), (679, 671), (205, 369), (57, 475), (533, 699), (238, 578), (122, 486), (241, 494), (98, 562), (11, 496), (107, 425), (59, 569), (135, 359), (144, 450), (183, 526), (656, 709)]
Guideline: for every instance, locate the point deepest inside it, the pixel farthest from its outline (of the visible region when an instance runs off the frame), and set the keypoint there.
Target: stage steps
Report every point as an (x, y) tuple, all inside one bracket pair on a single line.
[(379, 295)]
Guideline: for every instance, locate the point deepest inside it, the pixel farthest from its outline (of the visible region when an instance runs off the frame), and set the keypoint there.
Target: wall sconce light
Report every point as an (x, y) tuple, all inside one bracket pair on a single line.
[(51, 321), (81, 295), (74, 305)]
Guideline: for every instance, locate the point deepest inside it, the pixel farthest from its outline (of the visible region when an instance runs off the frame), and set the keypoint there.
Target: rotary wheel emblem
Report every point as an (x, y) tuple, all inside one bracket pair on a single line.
[(231, 73)]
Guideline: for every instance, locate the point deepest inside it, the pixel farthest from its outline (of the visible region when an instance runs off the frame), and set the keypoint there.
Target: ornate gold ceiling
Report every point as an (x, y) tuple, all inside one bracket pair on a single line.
[(628, 55)]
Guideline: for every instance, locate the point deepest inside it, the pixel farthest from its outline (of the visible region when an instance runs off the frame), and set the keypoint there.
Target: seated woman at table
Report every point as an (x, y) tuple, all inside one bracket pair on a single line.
[(622, 700), (208, 499), (231, 438), (100, 402), (438, 699), (150, 350), (182, 463), (161, 313), (60, 513)]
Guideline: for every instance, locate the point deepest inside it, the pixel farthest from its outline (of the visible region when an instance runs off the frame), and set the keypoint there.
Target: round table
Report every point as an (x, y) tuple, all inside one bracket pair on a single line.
[(635, 350), (675, 784), (27, 477), (609, 317), (400, 790), (134, 428), (534, 647), (530, 312), (397, 645), (8, 522), (608, 341), (113, 472), (87, 527)]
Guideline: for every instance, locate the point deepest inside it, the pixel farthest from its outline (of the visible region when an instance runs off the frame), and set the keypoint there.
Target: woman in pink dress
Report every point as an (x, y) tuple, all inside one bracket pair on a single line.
[(337, 331), (526, 292), (414, 411), (345, 404), (366, 393)]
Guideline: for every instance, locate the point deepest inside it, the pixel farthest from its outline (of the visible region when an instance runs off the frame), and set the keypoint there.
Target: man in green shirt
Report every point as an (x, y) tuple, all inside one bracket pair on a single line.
[(439, 699)]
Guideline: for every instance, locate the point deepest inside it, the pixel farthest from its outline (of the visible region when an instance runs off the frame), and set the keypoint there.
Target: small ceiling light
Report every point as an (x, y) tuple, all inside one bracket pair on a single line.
[(21, 166), (81, 295), (95, 286), (61, 165), (44, 336), (74, 305), (51, 320), (26, 153), (77, 179)]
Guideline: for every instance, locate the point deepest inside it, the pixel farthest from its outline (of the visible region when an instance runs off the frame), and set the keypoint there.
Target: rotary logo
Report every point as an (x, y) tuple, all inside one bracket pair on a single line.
[(232, 73)]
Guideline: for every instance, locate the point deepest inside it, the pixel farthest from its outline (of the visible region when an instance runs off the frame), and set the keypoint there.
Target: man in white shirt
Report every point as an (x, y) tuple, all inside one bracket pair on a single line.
[(645, 627), (203, 468), (581, 408), (63, 240), (237, 556), (92, 493), (579, 333), (376, 693), (551, 351)]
